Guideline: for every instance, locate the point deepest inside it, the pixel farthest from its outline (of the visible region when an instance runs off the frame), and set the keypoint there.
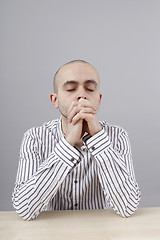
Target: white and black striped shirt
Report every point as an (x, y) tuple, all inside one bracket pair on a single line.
[(53, 175)]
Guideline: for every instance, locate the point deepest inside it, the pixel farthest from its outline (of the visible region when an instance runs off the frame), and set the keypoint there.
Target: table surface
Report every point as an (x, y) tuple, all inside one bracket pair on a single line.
[(82, 224)]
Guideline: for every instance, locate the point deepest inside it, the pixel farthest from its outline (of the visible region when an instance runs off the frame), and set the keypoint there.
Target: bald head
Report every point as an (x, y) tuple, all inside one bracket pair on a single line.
[(70, 68)]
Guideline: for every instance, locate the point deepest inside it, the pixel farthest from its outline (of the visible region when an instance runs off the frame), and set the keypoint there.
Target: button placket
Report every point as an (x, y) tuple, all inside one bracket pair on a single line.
[(75, 187)]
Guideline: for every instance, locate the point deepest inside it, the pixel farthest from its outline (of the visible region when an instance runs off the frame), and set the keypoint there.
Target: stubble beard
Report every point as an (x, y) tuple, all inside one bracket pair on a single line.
[(64, 114)]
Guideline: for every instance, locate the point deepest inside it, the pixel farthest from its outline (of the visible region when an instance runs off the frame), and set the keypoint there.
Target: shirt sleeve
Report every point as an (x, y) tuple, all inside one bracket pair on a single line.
[(116, 173), (36, 184)]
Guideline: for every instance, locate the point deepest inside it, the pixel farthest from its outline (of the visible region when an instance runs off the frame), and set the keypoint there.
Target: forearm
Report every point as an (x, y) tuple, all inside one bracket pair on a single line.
[(115, 175), (31, 197), (122, 191)]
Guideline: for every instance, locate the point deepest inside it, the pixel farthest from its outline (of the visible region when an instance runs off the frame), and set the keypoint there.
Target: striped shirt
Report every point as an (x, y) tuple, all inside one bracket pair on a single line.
[(53, 175)]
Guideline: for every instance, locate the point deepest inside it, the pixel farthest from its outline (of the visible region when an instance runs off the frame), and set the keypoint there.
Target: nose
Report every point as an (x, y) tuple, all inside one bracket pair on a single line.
[(81, 93), (78, 98)]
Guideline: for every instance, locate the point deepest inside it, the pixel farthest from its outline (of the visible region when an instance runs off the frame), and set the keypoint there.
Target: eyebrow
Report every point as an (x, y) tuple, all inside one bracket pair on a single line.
[(70, 82), (91, 81), (76, 82)]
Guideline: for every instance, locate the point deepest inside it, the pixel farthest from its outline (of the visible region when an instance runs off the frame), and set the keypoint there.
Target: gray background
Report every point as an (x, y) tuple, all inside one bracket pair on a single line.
[(120, 38)]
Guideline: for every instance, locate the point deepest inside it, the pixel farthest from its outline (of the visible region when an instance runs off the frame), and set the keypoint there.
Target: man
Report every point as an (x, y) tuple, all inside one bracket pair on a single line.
[(75, 162)]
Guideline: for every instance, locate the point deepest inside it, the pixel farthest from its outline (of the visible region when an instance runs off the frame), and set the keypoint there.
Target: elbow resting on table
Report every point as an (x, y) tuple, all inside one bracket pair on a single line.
[(23, 209)]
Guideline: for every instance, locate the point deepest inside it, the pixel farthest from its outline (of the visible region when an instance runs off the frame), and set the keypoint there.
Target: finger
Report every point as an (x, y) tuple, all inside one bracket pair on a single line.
[(88, 110), (82, 116), (73, 112), (85, 103), (77, 109), (73, 104)]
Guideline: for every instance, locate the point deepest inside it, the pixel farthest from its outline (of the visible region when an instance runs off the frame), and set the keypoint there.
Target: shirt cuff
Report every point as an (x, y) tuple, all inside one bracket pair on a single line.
[(98, 143), (67, 153)]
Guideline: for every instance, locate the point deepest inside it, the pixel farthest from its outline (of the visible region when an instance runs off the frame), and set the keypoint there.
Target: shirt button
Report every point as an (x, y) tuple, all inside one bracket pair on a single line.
[(93, 148), (75, 204), (75, 181), (72, 159)]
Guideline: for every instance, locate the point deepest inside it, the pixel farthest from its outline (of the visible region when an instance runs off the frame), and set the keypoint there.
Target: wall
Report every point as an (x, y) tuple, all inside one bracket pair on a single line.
[(120, 38)]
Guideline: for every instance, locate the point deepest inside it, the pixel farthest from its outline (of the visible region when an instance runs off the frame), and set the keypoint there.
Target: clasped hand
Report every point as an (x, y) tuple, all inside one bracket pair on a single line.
[(81, 119)]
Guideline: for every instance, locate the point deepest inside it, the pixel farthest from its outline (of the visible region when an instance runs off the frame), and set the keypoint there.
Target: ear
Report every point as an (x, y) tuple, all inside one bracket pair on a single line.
[(54, 100), (100, 97)]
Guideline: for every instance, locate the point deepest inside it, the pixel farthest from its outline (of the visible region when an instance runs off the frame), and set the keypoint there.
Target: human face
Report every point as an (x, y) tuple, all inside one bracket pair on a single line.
[(76, 81)]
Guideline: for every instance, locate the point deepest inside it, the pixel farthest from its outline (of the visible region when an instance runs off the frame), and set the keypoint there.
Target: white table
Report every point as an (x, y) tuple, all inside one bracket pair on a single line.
[(81, 225)]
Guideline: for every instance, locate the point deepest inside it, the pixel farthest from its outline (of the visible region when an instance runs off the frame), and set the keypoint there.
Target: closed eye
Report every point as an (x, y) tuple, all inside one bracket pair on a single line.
[(70, 90), (90, 90)]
